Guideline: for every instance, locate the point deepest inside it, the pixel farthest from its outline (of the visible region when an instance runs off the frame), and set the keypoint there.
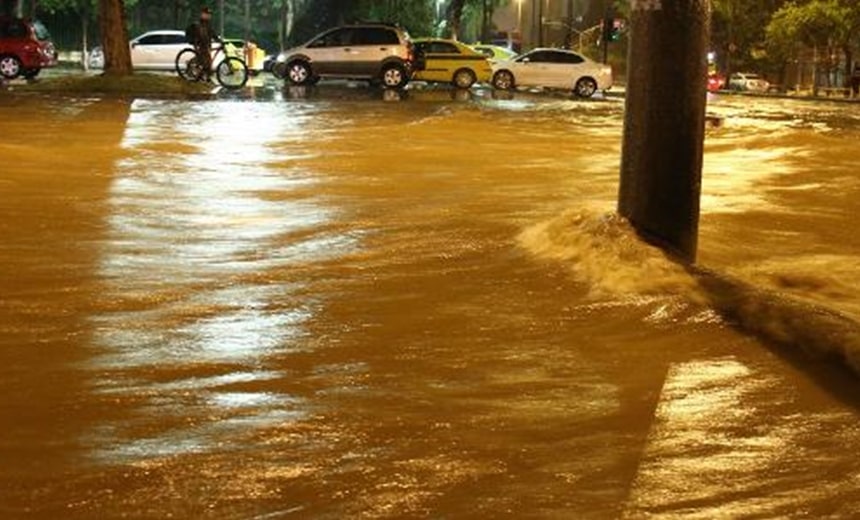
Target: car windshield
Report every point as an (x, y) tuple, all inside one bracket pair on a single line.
[(41, 31)]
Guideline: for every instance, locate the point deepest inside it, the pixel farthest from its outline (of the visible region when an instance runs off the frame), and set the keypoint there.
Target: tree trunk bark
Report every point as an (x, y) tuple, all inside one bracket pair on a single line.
[(455, 15), (247, 36), (114, 38), (664, 123), (85, 35)]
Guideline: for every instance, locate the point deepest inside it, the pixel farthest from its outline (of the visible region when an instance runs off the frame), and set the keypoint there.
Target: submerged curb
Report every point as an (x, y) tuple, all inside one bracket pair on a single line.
[(811, 329)]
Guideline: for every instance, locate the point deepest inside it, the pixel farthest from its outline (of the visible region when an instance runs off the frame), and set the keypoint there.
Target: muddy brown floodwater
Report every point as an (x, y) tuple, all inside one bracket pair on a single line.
[(334, 306)]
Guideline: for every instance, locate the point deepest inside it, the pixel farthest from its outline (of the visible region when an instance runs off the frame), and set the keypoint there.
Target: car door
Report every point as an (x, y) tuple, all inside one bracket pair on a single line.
[(556, 70), (441, 60), (531, 69), (141, 50), (170, 46), (565, 68), (332, 52), (371, 46)]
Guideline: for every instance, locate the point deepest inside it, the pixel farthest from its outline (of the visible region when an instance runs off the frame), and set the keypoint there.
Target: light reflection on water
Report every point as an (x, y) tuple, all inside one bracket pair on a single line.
[(195, 224), (702, 457)]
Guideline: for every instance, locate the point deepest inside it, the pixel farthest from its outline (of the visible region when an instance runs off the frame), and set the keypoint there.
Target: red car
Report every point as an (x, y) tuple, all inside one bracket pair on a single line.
[(715, 82), (25, 48)]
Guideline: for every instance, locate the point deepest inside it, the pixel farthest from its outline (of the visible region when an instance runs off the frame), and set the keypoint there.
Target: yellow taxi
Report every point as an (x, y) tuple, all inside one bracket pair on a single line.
[(449, 61)]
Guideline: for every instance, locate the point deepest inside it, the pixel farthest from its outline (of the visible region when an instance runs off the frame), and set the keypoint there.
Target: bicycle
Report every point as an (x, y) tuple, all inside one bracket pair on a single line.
[(230, 71)]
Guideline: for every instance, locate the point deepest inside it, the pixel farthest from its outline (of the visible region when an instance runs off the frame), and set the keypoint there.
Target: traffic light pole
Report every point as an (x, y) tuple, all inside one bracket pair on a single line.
[(605, 43), (664, 122), (606, 30)]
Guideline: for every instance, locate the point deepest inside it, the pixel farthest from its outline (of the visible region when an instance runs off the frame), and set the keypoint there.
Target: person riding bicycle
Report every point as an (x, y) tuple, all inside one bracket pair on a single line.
[(201, 35)]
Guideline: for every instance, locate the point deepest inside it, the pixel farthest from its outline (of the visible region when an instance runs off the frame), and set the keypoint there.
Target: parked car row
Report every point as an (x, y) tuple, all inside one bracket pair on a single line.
[(385, 54), (377, 52)]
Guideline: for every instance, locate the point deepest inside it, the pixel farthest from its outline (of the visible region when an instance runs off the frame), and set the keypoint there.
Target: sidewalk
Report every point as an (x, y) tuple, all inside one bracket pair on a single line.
[(825, 94)]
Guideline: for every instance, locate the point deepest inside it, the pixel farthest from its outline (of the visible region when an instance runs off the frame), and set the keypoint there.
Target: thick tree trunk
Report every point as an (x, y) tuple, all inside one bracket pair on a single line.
[(85, 36), (114, 38), (455, 15), (664, 123)]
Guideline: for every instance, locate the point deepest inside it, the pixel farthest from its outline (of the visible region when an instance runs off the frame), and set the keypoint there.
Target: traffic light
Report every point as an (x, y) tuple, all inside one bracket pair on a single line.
[(615, 29), (611, 26)]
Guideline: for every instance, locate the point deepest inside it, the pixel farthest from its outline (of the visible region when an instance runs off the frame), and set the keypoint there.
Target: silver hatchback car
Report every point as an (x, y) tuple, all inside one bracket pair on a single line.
[(375, 52)]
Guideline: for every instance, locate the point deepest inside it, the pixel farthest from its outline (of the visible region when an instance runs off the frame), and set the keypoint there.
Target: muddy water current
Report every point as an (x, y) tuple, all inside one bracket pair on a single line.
[(338, 306)]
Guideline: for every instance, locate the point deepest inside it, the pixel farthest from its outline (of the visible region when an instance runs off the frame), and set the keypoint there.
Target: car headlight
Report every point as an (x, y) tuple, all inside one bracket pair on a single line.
[(282, 58)]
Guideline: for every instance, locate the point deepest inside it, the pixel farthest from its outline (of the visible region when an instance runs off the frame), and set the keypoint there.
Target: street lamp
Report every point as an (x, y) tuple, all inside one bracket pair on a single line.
[(520, 17)]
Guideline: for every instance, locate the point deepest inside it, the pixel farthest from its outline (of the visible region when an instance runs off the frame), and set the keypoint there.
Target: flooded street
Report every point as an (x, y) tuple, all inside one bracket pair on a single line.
[(327, 304)]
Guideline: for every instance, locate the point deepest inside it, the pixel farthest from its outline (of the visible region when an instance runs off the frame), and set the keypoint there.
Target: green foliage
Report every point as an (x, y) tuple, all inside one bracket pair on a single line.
[(416, 16), (816, 23), (822, 24), (737, 32)]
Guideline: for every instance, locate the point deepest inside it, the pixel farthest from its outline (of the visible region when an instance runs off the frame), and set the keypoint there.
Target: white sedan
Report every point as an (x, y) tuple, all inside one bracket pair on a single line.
[(748, 81), (154, 50), (157, 50), (553, 68)]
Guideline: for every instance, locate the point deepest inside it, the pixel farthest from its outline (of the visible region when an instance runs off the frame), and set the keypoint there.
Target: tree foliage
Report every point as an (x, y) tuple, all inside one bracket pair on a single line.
[(737, 32), (814, 24), (751, 34), (830, 27)]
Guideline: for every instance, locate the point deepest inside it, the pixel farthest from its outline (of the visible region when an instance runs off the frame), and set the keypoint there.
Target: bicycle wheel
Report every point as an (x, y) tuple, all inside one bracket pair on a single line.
[(188, 66), (232, 72)]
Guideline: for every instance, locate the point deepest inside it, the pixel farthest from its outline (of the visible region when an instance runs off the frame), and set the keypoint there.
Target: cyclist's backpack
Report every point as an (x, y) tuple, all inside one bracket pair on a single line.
[(191, 33)]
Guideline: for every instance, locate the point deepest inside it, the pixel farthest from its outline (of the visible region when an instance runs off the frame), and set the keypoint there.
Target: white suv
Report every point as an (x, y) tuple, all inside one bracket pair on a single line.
[(375, 52)]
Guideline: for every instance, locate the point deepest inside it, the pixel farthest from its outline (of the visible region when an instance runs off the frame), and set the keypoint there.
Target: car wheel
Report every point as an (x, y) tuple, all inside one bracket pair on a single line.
[(299, 73), (585, 87), (10, 66), (279, 70), (503, 80), (394, 76), (463, 78)]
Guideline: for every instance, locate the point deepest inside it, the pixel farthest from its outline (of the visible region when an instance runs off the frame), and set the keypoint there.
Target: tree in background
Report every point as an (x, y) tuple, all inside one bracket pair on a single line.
[(829, 27), (112, 28), (463, 14), (416, 16), (737, 32), (114, 38)]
